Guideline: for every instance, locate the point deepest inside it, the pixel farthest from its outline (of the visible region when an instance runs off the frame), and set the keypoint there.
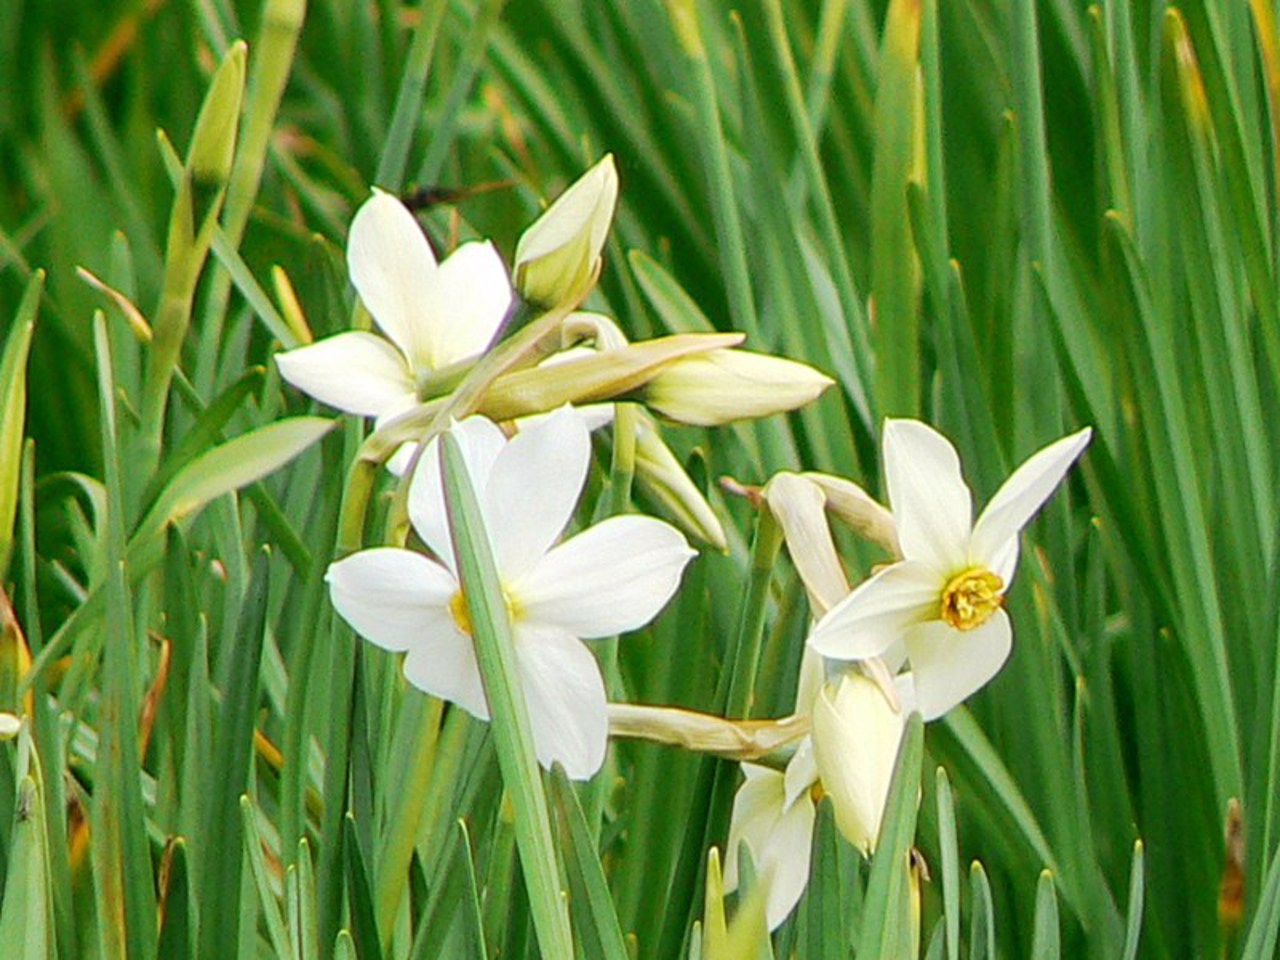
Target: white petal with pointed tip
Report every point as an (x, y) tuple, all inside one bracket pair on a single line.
[(784, 864), (394, 598), (1019, 499), (930, 500), (392, 268), (757, 806), (799, 506), (587, 202), (481, 441), (950, 665), (355, 372), (872, 618), (801, 772), (469, 298), (610, 578), (566, 698), (533, 488)]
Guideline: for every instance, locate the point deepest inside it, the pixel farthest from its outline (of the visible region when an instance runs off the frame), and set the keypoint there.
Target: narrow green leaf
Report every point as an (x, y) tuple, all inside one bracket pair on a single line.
[(13, 410), (512, 734), (1133, 922), (26, 920), (177, 930), (364, 925), (590, 901), (124, 884), (949, 848), (1045, 944), (895, 274), (227, 777), (982, 923), (232, 465), (886, 908), (268, 905)]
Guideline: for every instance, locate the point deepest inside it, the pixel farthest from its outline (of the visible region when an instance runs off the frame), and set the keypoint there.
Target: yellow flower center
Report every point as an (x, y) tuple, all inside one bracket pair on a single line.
[(971, 597), (462, 616)]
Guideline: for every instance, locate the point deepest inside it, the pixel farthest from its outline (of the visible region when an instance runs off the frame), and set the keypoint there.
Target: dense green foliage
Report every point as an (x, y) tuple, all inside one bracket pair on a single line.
[(1009, 219)]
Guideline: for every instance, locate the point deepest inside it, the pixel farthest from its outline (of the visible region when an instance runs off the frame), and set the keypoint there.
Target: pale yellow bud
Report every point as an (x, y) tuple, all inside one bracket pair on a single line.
[(558, 256), (9, 726), (721, 386), (856, 733)]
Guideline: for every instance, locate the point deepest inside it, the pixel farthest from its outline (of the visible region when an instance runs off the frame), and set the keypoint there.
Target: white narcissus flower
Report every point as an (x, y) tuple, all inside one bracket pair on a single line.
[(559, 253), (944, 600), (608, 579), (856, 734), (434, 315)]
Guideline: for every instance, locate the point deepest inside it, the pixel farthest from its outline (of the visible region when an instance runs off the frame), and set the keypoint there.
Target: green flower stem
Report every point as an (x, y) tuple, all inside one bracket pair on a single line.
[(512, 733), (269, 74), (745, 658), (195, 212)]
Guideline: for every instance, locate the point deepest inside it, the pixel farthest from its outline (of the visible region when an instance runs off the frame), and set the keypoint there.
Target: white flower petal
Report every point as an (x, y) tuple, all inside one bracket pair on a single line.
[(566, 698), (481, 441), (757, 806), (469, 299), (784, 864), (610, 578), (799, 506), (399, 600), (355, 372), (812, 676), (801, 772), (856, 733), (391, 597), (392, 267), (445, 666), (950, 665), (534, 487), (878, 612), (931, 503), (1018, 500)]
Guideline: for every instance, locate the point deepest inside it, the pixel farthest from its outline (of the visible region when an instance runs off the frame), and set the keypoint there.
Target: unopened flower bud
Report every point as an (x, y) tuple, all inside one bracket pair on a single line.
[(558, 256), (856, 732), (720, 386)]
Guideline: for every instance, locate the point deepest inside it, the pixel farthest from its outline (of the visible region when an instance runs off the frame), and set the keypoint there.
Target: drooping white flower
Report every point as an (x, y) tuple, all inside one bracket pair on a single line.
[(944, 600), (433, 314), (608, 579)]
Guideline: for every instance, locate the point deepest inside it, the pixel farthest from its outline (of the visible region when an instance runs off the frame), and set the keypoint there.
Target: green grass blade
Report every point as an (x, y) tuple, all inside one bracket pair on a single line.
[(886, 910), (227, 777), (1046, 943), (13, 411), (512, 735), (599, 933), (1133, 922)]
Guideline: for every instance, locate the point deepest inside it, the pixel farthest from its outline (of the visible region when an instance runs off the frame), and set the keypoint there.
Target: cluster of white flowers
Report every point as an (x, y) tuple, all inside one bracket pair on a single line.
[(922, 633)]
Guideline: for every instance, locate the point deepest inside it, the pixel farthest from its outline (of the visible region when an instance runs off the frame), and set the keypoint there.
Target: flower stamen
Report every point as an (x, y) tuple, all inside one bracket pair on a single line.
[(461, 615), (971, 597)]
